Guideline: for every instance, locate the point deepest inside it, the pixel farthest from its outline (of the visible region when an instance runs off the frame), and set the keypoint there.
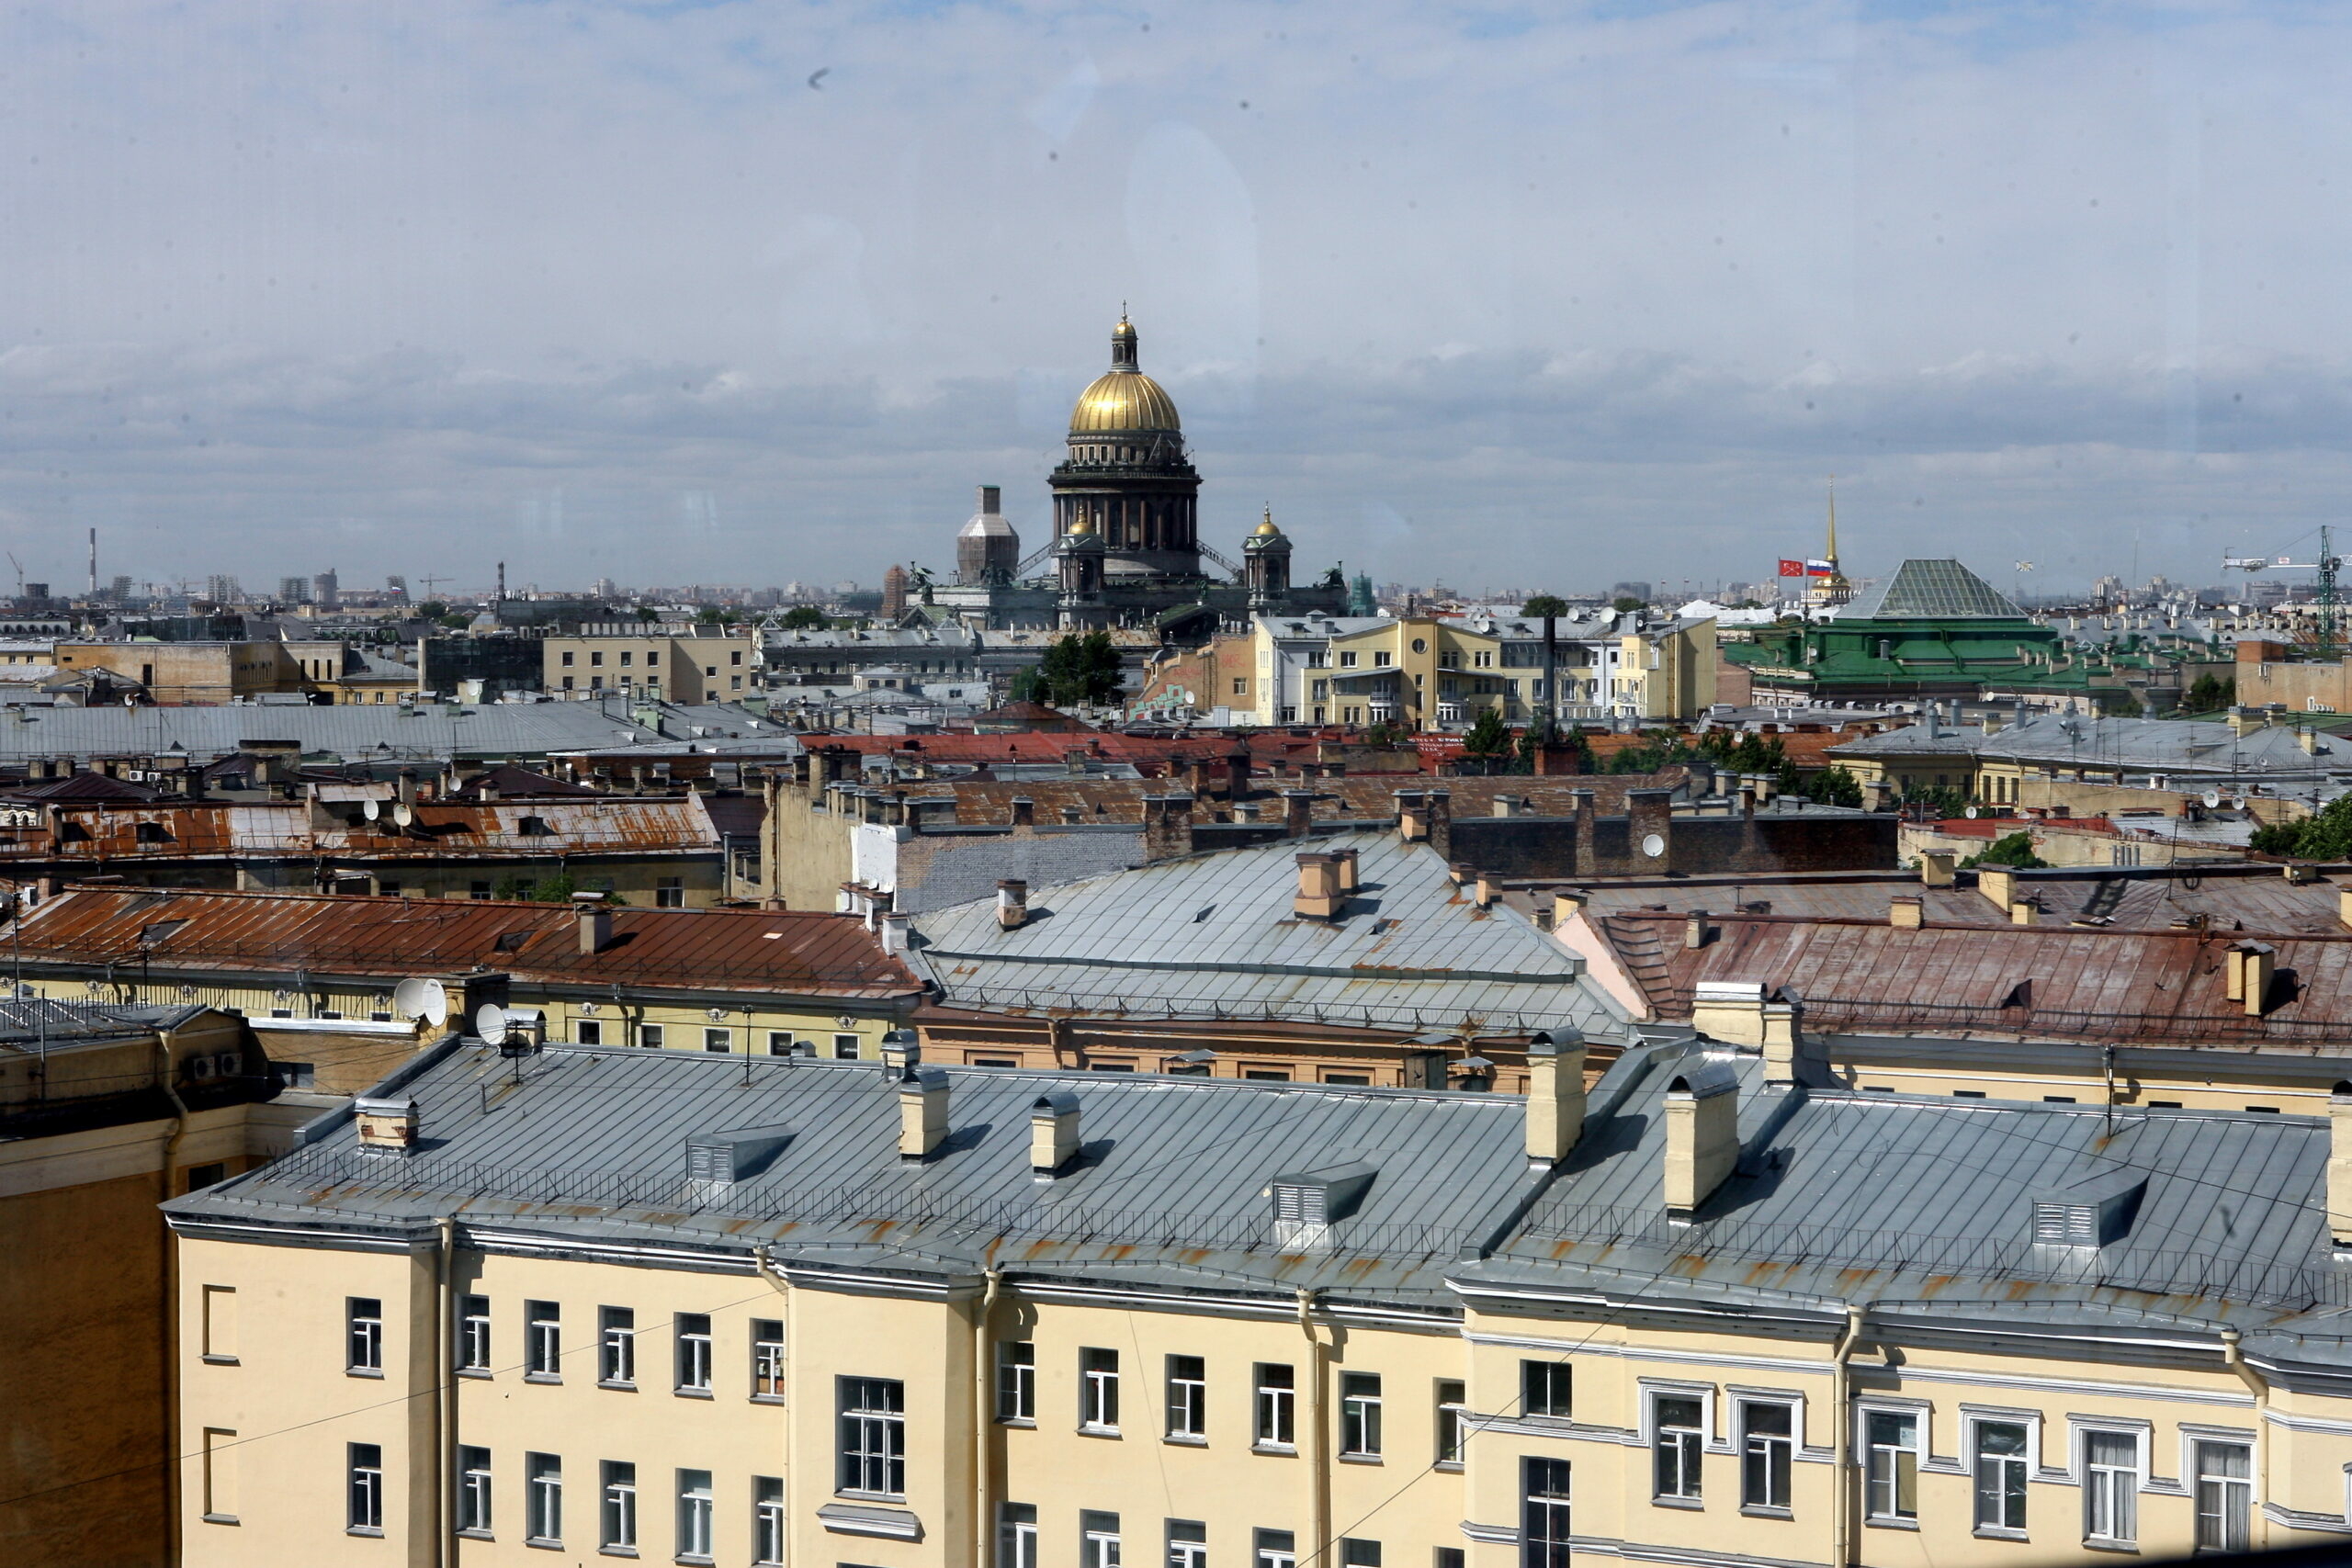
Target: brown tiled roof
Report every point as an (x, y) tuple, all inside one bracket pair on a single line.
[(2051, 982), (1350, 798), (440, 831), (788, 952)]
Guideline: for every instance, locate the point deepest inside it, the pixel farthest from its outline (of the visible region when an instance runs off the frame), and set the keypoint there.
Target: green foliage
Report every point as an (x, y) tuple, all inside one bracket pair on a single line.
[(2122, 705), (1939, 800), (1834, 786), (433, 609), (803, 618), (455, 623), (1542, 604), (1581, 760), (2326, 834), (1488, 737), (1625, 602), (1385, 734), (2209, 693), (647, 613), (710, 616), (1081, 668), (2011, 849)]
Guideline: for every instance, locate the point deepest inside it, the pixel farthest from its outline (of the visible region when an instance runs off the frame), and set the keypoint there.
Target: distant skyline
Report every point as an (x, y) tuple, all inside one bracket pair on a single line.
[(750, 293)]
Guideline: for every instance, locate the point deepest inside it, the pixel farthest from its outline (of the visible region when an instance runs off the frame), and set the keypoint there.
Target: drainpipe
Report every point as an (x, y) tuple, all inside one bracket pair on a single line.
[(783, 1286), (168, 1319), (1319, 1454), (1840, 1399), (2106, 1063), (2233, 1358), (984, 1508), (445, 1393)]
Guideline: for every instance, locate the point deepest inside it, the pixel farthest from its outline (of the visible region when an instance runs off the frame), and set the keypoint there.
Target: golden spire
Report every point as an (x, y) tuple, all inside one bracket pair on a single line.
[(1832, 557)]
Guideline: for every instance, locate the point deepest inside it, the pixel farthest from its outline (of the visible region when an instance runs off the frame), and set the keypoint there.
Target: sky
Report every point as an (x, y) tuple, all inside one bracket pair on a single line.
[(1487, 295)]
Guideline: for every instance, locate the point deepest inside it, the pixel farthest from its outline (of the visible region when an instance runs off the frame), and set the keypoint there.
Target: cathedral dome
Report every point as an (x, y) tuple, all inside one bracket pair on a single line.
[(1123, 398)]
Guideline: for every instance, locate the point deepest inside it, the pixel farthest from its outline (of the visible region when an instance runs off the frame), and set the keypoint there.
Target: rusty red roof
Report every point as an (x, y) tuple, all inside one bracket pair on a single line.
[(784, 951), (2165, 987)]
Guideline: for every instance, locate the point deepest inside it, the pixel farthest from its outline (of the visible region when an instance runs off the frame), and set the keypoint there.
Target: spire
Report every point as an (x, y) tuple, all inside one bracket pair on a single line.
[(1832, 557)]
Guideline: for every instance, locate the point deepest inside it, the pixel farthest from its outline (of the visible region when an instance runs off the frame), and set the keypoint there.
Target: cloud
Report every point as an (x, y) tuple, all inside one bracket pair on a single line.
[(1580, 293)]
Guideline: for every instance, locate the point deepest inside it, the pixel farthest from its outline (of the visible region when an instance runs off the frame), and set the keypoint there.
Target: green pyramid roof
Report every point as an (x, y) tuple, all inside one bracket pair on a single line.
[(1932, 590)]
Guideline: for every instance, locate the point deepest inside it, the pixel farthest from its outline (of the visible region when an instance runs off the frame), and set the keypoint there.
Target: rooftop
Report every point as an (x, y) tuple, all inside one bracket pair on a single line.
[(2172, 746), (1932, 590)]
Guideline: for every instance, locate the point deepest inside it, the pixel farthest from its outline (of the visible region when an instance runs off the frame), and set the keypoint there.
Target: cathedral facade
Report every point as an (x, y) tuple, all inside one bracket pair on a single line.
[(1126, 547)]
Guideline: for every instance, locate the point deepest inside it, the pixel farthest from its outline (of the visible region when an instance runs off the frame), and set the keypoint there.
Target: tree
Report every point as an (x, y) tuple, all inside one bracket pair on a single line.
[(710, 616), (2209, 693), (1540, 604), (433, 609), (2326, 834), (1836, 786), (457, 623), (1488, 742), (1081, 668), (2123, 705), (2011, 849), (803, 618), (1626, 603)]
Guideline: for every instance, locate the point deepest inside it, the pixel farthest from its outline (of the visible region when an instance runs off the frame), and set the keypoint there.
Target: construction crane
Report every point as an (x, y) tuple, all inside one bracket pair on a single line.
[(2328, 564), (20, 573)]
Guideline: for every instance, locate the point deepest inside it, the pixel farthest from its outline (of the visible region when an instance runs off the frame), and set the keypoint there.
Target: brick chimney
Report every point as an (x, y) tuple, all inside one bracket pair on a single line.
[(1298, 812), (1440, 806), (1588, 855), (1554, 1094), (1649, 814), (1346, 861), (386, 1127), (1935, 868), (1236, 772), (1412, 815), (1024, 811), (1318, 897), (1906, 913), (1167, 826)]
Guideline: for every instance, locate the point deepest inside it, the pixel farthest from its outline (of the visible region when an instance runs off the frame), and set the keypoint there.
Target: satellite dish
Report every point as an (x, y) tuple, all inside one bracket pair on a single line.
[(1653, 845), (371, 811), (1971, 814), (403, 813), (490, 1023), (2213, 800), (426, 999)]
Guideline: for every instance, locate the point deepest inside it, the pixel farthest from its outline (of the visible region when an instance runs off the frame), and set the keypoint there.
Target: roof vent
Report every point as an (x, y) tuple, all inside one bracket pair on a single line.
[(2089, 1213), (386, 1127), (716, 1161), (1306, 1203)]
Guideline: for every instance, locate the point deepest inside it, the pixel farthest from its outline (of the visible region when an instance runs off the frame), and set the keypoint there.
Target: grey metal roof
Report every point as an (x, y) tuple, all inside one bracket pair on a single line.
[(1944, 589), (354, 731), (588, 1141), (33, 1024), (2172, 746), (1213, 936)]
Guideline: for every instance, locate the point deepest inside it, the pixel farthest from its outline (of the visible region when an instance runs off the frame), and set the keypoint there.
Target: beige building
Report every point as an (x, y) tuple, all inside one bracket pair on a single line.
[(105, 1112), (1715, 1310), (708, 665)]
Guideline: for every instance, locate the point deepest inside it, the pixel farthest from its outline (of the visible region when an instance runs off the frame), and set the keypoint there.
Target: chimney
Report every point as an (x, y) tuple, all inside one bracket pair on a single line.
[(923, 1112), (1024, 811), (1784, 1043), (1167, 826), (1072, 815), (1729, 1010), (1318, 897), (2339, 1165), (594, 919), (386, 1127), (2243, 721), (1565, 908), (1012, 903), (1999, 883), (1650, 825), (1203, 771), (1236, 772), (1765, 785), (1245, 811), (895, 929), (2024, 912), (1695, 929), (1510, 805), (1880, 794), (1482, 891), (2308, 739), (1053, 1134), (1412, 815), (1702, 1133), (2344, 906), (1906, 913), (1554, 1094), (1298, 812), (1935, 868), (1345, 859), (405, 787), (1441, 821), (1588, 859), (2250, 967)]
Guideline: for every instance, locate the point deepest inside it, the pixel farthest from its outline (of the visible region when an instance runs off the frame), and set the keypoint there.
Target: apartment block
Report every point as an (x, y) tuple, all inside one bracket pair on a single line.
[(699, 666)]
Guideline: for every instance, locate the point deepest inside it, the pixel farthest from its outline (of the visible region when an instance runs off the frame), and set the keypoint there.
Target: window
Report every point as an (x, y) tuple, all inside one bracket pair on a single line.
[(1447, 1557), (651, 1036), (1240, 686), (779, 1043), (767, 1520), (1891, 1465), (1276, 1548), (201, 1177), (1543, 1513), (566, 679), (2111, 1486), (1355, 1553), (2224, 1496), (1543, 1388), (693, 1353), (595, 661), (767, 1358), (219, 1476), (1359, 1415), (1016, 1535), (474, 1334), (844, 1047), (478, 890), (1098, 1390), (1188, 1392), (543, 1498), (364, 1335), (1347, 661), (1188, 1544), (873, 1437), (1767, 1445), (2000, 1475), (219, 1326), (364, 1507), (1276, 1405), (1380, 659), (693, 1516), (1676, 1438), (1266, 1075), (669, 892), (588, 1031), (616, 1346), (1452, 1430), (618, 1497), (1098, 1540), (473, 1491), (719, 1039), (542, 1339), (626, 658), (1016, 1380)]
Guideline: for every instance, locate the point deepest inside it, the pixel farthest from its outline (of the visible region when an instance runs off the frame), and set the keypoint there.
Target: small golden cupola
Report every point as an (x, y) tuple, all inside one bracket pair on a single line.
[(1123, 399)]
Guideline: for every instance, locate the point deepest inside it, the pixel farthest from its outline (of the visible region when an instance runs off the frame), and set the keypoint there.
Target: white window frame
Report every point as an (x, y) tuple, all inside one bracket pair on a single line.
[(1741, 1404), (693, 1354), (697, 1516), (363, 1336), (2193, 1433), (1273, 1409), (543, 1342), (1653, 1437), (473, 1335), (475, 1495), (1099, 1547), (1098, 1390), (1016, 1535), (768, 1540), (1361, 1417), (867, 1436), (1187, 1397), (2142, 1434), (1016, 1383), (1188, 1551), (1453, 1413), (768, 1362), (1970, 1418), (616, 1347), (1919, 1416), (363, 1488), (543, 1498), (1265, 1555), (616, 1500)]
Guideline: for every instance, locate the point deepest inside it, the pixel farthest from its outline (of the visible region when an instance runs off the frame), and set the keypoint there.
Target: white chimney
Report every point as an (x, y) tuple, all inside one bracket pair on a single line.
[(1702, 1133), (1053, 1134), (923, 1112), (1554, 1094)]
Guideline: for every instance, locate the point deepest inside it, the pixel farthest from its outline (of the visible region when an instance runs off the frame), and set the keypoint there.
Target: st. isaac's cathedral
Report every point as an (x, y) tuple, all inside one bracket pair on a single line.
[(1126, 547)]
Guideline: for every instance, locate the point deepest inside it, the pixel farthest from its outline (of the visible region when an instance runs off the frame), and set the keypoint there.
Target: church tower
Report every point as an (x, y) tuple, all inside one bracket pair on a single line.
[(1127, 477), (1265, 566)]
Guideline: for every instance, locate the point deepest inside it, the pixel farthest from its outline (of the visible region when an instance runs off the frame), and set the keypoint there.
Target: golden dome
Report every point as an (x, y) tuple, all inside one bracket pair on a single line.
[(1267, 530), (1122, 398)]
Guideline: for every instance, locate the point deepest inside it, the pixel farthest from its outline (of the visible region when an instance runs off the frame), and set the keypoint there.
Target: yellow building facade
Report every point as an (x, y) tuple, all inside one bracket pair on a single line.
[(965, 1316)]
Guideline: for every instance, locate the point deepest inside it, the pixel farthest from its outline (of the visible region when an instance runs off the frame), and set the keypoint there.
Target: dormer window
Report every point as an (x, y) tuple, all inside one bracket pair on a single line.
[(2090, 1213), (1306, 1203)]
